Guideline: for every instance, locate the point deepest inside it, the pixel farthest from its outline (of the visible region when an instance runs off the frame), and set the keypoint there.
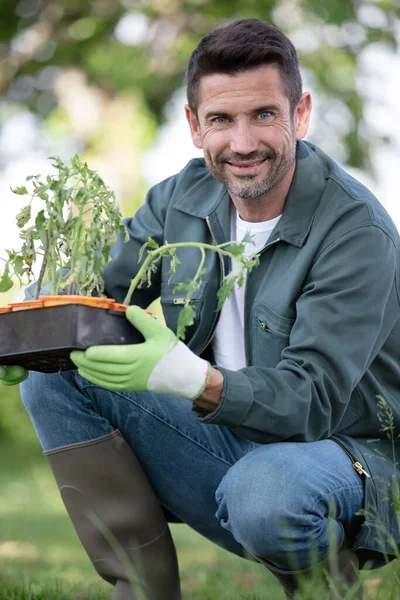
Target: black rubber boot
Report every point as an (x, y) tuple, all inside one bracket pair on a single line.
[(117, 517)]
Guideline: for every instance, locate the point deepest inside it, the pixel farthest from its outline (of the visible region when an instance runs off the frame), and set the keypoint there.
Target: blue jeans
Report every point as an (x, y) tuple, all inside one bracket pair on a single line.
[(272, 501)]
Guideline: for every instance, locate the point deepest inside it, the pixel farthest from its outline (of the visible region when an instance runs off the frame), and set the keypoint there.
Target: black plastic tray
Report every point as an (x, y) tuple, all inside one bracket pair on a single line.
[(41, 339)]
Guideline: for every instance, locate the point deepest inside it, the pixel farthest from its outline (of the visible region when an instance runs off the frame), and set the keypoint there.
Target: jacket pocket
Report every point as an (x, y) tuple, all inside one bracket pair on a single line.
[(173, 302), (270, 335)]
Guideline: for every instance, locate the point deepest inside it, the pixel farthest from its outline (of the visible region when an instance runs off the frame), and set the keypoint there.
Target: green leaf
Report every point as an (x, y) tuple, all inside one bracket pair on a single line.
[(106, 252), (180, 286), (225, 290), (186, 318), (23, 216), (141, 251), (151, 243), (55, 185), (6, 282), (82, 194), (32, 177), (124, 230), (21, 190), (41, 189), (194, 284), (11, 254), (152, 268), (248, 239), (235, 249), (172, 269), (40, 220), (18, 264)]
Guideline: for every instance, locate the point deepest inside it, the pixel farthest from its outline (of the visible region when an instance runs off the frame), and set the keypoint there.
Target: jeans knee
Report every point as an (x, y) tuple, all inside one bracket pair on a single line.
[(269, 516), (252, 522)]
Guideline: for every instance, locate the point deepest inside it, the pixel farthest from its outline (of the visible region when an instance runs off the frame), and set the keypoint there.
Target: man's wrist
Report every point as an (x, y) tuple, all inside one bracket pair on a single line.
[(209, 400)]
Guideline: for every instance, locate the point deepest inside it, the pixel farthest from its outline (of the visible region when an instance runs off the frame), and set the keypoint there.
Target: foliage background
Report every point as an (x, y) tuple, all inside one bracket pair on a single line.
[(97, 75), (102, 78)]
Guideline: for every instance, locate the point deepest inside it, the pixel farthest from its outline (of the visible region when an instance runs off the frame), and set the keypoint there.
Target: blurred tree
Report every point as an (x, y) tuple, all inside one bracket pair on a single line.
[(141, 48)]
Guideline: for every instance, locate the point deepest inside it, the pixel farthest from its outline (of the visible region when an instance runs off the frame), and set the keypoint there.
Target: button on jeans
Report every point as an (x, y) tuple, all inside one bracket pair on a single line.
[(286, 502)]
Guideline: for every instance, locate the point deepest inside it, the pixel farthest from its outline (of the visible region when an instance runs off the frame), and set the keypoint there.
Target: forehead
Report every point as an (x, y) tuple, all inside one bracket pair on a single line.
[(259, 86)]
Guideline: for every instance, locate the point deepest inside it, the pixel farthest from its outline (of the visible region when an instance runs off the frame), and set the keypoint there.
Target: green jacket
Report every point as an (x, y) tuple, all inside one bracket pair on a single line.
[(322, 328)]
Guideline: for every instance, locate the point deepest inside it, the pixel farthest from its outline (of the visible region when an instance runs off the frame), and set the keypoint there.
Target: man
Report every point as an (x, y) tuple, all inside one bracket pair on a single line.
[(288, 373)]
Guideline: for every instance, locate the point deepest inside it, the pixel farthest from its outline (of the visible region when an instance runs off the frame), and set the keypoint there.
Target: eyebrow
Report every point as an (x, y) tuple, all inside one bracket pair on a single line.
[(260, 109)]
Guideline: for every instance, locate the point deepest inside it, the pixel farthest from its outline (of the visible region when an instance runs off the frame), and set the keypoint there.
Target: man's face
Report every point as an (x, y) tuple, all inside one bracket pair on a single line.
[(246, 130)]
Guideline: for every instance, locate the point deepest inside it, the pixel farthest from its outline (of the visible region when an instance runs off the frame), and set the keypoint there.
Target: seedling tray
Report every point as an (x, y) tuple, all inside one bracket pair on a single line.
[(42, 339)]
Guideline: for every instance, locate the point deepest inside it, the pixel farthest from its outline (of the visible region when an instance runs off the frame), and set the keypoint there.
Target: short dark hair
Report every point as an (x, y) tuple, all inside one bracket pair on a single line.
[(238, 47)]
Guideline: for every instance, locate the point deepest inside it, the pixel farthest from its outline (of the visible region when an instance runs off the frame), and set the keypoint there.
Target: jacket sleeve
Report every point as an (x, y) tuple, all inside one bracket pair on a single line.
[(346, 310)]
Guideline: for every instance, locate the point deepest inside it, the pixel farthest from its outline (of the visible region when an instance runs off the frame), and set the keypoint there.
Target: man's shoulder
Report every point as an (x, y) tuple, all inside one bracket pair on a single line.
[(344, 192), (192, 173), (195, 166), (193, 190)]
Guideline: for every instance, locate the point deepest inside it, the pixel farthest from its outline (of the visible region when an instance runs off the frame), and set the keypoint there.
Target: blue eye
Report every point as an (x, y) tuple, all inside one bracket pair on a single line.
[(220, 120), (264, 115)]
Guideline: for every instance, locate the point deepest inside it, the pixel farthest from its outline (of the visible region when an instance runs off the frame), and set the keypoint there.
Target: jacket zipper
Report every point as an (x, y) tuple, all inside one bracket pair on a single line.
[(267, 246), (357, 466)]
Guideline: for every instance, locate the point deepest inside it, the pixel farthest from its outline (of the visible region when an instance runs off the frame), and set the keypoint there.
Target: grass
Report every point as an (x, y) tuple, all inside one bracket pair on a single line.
[(41, 557)]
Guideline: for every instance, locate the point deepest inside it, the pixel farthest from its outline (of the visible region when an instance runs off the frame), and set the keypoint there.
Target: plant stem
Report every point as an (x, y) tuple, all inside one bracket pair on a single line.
[(43, 267), (54, 285), (75, 251), (53, 258), (61, 267), (152, 255), (200, 269)]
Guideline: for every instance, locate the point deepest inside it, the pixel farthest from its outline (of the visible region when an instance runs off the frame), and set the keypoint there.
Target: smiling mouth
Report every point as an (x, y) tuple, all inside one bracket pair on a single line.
[(247, 163), (246, 166)]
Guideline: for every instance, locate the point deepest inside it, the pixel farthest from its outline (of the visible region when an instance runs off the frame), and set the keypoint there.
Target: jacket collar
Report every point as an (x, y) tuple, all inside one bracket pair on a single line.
[(207, 196)]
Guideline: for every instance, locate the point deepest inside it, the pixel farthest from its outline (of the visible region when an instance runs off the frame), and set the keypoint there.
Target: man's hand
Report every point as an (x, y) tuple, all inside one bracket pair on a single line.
[(161, 364), (12, 375)]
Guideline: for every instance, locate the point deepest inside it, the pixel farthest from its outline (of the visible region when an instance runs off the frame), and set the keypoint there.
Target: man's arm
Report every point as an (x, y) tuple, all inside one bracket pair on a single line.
[(210, 398), (347, 309)]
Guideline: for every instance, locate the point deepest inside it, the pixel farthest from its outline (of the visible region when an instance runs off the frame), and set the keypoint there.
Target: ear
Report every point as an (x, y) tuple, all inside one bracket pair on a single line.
[(194, 126), (302, 115)]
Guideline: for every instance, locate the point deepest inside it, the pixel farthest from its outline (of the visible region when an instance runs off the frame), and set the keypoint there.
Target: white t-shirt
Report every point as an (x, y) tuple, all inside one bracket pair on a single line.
[(228, 342)]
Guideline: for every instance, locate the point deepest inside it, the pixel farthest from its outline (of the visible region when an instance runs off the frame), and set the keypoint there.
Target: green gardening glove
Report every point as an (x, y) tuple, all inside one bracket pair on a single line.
[(161, 364), (12, 375)]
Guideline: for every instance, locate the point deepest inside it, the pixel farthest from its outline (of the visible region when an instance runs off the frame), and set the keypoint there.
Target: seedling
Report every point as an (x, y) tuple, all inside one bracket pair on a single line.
[(235, 250), (72, 234)]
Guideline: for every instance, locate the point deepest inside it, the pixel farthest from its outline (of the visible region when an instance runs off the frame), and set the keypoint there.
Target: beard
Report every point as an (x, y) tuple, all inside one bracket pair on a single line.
[(251, 186)]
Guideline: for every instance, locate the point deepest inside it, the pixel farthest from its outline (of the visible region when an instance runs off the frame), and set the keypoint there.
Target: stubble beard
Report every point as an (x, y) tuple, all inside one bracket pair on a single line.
[(245, 186)]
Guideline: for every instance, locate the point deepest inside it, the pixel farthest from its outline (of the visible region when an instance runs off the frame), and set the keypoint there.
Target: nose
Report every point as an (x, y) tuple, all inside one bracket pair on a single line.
[(243, 140)]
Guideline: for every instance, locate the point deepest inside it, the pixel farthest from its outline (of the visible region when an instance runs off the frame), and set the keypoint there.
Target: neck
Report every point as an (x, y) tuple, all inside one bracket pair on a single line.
[(265, 207)]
